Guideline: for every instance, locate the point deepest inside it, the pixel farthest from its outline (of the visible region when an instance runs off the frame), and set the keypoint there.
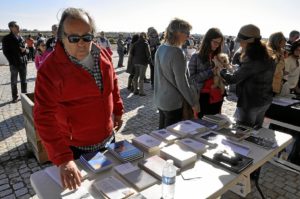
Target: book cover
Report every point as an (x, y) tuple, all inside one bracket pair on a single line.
[(113, 188), (154, 165), (137, 177), (96, 161), (228, 159), (180, 156), (235, 132), (125, 151), (206, 123), (193, 145), (164, 135), (217, 119), (148, 143), (186, 128)]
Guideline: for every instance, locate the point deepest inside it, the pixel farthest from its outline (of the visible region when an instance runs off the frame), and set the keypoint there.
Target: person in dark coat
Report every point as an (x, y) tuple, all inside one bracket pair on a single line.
[(253, 78), (14, 49)]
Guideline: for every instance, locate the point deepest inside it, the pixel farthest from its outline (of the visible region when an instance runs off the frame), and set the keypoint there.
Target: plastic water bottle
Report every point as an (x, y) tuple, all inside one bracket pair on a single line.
[(168, 180)]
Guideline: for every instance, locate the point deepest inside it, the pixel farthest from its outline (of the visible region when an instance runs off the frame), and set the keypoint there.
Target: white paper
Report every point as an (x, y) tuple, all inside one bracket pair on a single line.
[(149, 141)]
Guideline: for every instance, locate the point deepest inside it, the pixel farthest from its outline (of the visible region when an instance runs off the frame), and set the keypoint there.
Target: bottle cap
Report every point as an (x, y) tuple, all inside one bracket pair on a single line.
[(170, 161)]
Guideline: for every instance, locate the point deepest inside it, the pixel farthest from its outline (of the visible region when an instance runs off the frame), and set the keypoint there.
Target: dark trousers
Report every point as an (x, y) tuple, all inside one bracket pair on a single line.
[(78, 152), (206, 108), (167, 118), (14, 71), (30, 55), (121, 58), (152, 74)]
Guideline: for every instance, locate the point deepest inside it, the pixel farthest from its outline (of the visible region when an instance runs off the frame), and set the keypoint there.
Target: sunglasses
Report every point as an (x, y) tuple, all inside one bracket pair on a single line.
[(76, 38)]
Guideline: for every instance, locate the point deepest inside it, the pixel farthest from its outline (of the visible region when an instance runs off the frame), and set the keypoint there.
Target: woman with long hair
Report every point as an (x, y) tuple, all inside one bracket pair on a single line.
[(292, 67), (171, 83), (276, 44), (202, 70), (253, 79)]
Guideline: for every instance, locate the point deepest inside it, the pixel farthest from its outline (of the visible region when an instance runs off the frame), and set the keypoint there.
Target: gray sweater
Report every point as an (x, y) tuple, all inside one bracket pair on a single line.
[(171, 79)]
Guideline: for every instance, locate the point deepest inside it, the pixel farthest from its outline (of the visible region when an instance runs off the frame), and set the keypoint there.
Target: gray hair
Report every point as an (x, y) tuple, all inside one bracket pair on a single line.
[(175, 26), (74, 13)]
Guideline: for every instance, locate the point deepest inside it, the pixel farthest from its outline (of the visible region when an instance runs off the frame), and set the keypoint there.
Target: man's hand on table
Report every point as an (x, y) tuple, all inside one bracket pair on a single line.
[(70, 175)]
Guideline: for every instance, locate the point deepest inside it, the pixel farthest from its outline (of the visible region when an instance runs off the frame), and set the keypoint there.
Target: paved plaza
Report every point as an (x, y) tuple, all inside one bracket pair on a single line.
[(17, 163)]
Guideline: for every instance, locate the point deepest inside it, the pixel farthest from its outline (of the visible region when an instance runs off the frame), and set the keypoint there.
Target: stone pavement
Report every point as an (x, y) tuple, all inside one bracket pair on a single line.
[(17, 163)]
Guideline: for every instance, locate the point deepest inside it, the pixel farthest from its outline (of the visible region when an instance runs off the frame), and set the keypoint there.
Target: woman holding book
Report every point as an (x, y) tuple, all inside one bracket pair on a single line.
[(253, 78), (202, 70), (172, 87)]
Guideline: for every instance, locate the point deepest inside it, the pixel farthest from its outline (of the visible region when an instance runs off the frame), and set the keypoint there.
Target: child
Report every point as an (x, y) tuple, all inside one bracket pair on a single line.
[(41, 53)]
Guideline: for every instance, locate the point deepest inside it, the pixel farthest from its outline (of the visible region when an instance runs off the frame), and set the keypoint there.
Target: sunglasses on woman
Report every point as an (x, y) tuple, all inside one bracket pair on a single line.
[(76, 38)]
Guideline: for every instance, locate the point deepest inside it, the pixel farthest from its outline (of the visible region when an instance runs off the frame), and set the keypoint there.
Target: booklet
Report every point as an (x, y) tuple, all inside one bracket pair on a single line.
[(148, 143), (193, 145), (113, 188), (137, 177), (236, 132), (125, 151), (186, 128), (228, 159), (81, 192), (165, 135), (154, 165), (96, 161), (179, 155)]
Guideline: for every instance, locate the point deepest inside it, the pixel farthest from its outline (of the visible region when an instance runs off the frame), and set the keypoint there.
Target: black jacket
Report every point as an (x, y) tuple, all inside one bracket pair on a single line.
[(140, 52), (254, 83), (11, 49)]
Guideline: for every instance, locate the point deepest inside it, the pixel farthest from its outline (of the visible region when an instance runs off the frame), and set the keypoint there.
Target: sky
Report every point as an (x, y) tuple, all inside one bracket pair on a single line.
[(137, 15)]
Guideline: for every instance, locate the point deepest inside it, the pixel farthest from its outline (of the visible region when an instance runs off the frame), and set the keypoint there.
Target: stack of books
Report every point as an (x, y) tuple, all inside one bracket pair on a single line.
[(193, 145), (112, 188), (187, 128), (217, 119), (148, 143), (165, 135), (207, 124), (154, 165), (236, 132), (230, 160), (125, 151), (135, 176), (95, 161), (180, 156)]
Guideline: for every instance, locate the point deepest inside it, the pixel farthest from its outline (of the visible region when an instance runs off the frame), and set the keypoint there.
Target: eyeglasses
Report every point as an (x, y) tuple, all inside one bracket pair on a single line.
[(76, 38)]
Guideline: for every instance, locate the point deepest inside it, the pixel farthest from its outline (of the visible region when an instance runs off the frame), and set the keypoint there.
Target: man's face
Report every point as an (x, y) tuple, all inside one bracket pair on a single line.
[(76, 27)]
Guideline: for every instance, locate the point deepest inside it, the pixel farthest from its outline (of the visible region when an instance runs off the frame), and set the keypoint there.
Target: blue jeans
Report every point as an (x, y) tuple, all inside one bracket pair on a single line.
[(14, 71), (253, 117)]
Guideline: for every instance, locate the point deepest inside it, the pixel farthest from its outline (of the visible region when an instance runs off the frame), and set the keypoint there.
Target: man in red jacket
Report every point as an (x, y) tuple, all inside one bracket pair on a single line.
[(77, 99)]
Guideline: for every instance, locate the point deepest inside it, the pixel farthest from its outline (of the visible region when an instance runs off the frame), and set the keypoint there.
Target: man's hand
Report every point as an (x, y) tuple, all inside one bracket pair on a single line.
[(70, 175), (117, 122)]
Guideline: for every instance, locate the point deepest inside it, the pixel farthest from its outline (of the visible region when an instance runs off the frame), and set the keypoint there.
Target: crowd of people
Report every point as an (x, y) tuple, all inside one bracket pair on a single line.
[(78, 107)]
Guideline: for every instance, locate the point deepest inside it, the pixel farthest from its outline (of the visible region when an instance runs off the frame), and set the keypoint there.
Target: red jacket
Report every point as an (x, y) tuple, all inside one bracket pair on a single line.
[(69, 108)]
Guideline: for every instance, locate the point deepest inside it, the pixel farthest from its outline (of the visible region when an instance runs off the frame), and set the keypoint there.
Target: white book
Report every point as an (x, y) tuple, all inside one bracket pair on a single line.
[(180, 156), (54, 173), (218, 119), (81, 192), (113, 188), (165, 135), (193, 145), (148, 143), (186, 128), (137, 177), (154, 165)]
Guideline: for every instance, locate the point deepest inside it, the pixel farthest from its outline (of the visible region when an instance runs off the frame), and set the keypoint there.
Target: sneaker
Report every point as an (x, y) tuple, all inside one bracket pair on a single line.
[(136, 93), (14, 100), (142, 94)]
